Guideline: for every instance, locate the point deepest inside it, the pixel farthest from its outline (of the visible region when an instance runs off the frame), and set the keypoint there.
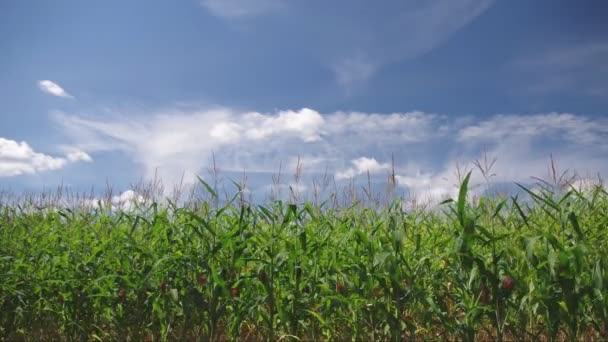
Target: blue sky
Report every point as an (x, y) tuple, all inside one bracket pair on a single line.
[(117, 91)]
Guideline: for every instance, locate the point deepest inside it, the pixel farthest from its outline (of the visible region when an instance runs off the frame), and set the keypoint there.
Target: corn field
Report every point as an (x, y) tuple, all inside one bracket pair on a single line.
[(490, 269)]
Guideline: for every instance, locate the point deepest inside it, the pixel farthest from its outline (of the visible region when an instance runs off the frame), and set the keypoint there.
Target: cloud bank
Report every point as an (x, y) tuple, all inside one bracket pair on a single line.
[(174, 141), (428, 148)]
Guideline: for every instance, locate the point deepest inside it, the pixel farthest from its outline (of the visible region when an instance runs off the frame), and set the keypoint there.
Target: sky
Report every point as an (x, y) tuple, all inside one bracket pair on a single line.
[(115, 92)]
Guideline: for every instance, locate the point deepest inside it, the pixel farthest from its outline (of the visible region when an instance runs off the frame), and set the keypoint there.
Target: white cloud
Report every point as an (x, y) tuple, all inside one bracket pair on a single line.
[(362, 166), (306, 124), (432, 187), (407, 127), (577, 129), (522, 146), (428, 148), (76, 156), (420, 183), (586, 184), (172, 142), (53, 88), (126, 201), (235, 9), (18, 158)]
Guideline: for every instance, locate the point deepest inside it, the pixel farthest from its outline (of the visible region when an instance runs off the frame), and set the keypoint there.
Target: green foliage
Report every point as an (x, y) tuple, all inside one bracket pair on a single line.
[(504, 269)]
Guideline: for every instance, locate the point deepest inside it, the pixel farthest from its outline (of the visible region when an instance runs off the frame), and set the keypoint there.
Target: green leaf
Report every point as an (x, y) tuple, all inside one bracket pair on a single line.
[(575, 225), (521, 212), (317, 317), (598, 275), (462, 199), (174, 295), (498, 208), (474, 274), (207, 187), (563, 306)]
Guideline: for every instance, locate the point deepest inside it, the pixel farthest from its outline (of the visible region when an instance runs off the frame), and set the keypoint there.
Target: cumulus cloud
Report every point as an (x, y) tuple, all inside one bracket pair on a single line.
[(305, 124), (77, 156), (126, 201), (235, 9), (362, 166), (18, 158), (53, 88)]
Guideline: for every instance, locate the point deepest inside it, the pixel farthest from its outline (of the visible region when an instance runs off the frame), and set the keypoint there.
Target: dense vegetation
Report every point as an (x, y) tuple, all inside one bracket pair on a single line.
[(492, 268)]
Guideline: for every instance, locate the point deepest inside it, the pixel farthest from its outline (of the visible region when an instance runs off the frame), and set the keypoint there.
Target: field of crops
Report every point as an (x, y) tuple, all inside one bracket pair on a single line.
[(488, 269)]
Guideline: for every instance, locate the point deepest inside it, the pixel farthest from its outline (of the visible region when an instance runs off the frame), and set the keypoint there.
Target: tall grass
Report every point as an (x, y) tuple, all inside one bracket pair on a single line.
[(490, 268)]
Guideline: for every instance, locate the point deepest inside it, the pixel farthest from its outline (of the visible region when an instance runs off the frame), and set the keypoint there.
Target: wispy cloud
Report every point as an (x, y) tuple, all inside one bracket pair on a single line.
[(569, 127), (18, 158), (580, 69), (236, 9), (575, 56), (412, 31), (53, 88), (352, 71), (354, 39)]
